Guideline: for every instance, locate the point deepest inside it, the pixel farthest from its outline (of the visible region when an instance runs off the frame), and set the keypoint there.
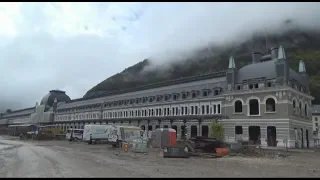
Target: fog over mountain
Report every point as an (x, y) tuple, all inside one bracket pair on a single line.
[(74, 46)]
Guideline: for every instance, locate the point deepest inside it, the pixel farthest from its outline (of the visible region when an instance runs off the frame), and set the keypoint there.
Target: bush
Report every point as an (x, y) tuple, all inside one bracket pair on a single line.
[(217, 130)]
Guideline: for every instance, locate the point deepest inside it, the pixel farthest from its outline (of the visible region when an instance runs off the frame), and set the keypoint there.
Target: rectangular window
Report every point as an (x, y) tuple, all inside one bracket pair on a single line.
[(186, 110), (182, 110), (238, 130), (219, 110), (168, 111), (177, 111), (205, 93), (173, 111), (157, 112), (208, 109), (160, 112), (216, 92), (196, 109), (214, 109), (184, 96), (192, 110), (202, 109), (165, 111), (175, 97)]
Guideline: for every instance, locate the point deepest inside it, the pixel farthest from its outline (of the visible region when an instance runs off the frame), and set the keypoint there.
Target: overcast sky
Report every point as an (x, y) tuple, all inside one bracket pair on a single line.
[(74, 46)]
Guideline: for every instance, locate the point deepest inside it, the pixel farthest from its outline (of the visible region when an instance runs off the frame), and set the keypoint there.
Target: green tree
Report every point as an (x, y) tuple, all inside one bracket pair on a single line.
[(217, 130)]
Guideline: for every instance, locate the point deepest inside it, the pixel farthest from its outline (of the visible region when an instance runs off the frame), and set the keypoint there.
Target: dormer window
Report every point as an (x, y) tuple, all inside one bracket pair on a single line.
[(159, 98), (269, 84), (131, 101), (256, 86), (120, 103), (175, 96), (238, 87), (301, 89), (184, 95), (205, 92), (194, 94), (251, 86), (217, 91), (151, 98), (167, 97), (144, 99)]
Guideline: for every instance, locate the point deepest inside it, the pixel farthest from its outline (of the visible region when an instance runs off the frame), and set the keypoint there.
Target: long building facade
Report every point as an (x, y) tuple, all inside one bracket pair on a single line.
[(266, 102)]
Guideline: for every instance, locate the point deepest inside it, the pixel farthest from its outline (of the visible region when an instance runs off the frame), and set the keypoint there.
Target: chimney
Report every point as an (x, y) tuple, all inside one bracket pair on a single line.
[(274, 52), (256, 56)]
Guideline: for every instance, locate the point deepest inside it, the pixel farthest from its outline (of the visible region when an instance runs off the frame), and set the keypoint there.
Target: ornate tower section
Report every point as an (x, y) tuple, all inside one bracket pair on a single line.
[(231, 74), (304, 76), (282, 67)]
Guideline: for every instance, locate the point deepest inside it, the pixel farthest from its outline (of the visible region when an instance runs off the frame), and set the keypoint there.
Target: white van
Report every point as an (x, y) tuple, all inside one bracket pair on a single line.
[(124, 133), (74, 134), (96, 133)]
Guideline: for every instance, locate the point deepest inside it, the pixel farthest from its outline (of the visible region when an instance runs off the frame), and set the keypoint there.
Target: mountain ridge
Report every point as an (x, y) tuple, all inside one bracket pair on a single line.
[(299, 45)]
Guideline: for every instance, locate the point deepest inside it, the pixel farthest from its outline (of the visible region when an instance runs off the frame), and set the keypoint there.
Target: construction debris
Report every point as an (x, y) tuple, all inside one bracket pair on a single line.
[(204, 146)]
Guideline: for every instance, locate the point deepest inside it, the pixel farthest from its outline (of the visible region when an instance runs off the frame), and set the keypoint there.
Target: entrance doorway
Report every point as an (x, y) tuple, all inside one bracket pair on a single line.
[(238, 133), (183, 132), (194, 131), (205, 131), (272, 136), (175, 128), (254, 134)]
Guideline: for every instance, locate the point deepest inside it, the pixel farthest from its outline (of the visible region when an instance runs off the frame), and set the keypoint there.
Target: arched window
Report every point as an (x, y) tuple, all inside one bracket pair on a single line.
[(300, 107), (254, 108), (270, 105), (294, 105), (238, 106), (305, 109)]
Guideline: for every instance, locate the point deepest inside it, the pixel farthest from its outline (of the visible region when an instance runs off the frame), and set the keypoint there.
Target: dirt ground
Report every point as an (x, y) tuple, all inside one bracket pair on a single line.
[(78, 159)]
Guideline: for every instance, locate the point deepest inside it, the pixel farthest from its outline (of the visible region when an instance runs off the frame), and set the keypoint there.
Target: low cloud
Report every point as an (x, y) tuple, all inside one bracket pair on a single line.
[(74, 46)]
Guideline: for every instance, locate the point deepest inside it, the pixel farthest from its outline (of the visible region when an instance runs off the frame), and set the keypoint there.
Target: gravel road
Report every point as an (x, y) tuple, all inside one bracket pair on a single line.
[(77, 159)]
